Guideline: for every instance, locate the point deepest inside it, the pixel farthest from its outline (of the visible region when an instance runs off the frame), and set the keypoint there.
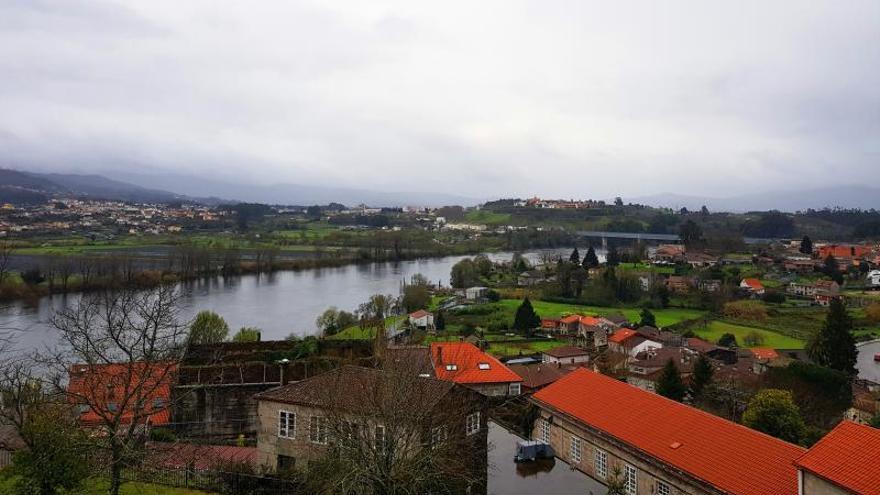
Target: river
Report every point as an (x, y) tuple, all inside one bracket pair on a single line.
[(279, 303), (868, 368)]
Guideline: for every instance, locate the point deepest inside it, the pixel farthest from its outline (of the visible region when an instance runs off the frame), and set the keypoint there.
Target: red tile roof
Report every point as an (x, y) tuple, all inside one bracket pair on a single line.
[(843, 458), (621, 335), (590, 321), (566, 351), (570, 319), (460, 362), (753, 283), (419, 314), (102, 387), (549, 323), (764, 353), (733, 458)]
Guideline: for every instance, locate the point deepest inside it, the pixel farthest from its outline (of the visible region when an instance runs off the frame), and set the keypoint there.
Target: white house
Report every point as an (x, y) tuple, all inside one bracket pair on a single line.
[(475, 293), (421, 319), (873, 278), (565, 355), (643, 346)]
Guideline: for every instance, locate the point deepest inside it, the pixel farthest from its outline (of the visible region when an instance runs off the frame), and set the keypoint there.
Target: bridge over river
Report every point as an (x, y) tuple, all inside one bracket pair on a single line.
[(647, 236)]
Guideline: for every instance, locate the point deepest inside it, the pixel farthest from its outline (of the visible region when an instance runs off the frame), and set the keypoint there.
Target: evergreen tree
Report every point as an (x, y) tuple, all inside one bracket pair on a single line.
[(526, 319), (806, 245), (575, 257), (834, 346), (647, 318), (702, 376), (440, 321), (613, 257), (727, 340), (590, 259), (832, 269), (670, 384), (690, 233)]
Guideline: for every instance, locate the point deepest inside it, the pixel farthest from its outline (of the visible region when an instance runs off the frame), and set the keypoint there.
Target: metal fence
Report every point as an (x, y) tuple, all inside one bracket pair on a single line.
[(225, 482)]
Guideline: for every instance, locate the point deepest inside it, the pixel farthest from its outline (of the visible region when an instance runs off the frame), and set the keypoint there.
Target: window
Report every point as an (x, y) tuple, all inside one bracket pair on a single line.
[(663, 488), (472, 424), (286, 424), (575, 450), (629, 480), (318, 430), (380, 439), (439, 435), (601, 464), (451, 367), (483, 366), (286, 463), (545, 431), (515, 389)]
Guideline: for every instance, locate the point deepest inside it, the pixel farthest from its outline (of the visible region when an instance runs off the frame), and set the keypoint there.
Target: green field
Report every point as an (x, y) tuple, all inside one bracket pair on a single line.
[(715, 329), (545, 309), (487, 217)]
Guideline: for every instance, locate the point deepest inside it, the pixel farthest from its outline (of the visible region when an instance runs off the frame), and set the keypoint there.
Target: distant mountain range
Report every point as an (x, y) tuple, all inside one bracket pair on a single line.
[(292, 194), (28, 187), (790, 201)]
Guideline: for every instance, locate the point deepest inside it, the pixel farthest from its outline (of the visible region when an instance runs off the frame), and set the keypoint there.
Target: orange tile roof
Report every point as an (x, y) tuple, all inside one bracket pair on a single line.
[(843, 458), (620, 335), (571, 319), (731, 457), (466, 359), (419, 314), (753, 283), (764, 353), (589, 321), (105, 386)]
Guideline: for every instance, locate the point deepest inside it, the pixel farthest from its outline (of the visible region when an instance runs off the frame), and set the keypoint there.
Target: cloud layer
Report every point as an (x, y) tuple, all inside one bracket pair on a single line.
[(489, 98)]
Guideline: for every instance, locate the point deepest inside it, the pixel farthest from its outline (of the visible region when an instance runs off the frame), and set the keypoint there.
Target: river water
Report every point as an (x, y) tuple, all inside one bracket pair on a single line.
[(279, 303)]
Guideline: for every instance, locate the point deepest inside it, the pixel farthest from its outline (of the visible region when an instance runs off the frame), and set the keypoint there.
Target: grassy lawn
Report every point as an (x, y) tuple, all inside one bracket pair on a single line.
[(487, 217), (545, 309), (515, 349), (716, 329)]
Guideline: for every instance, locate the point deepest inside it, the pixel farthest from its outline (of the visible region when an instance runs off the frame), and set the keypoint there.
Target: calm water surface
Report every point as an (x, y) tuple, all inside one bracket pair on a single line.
[(280, 303), (551, 477)]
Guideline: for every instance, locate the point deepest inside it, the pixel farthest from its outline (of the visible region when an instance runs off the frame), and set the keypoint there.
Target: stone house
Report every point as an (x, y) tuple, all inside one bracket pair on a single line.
[(378, 412), (658, 446)]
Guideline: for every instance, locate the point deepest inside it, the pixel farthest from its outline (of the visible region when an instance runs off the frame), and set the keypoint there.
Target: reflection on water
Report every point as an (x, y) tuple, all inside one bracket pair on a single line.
[(532, 469), (279, 303), (507, 477)]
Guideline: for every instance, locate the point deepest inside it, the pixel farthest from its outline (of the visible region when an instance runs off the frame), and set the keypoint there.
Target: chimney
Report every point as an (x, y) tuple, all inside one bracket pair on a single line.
[(439, 354)]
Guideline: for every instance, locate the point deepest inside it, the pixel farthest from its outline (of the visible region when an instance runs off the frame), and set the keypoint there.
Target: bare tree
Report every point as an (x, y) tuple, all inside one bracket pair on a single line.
[(120, 349), (393, 432)]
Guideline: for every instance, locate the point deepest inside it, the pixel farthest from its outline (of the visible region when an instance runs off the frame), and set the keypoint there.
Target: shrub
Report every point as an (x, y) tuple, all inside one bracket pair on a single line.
[(162, 435), (753, 339), (746, 310)]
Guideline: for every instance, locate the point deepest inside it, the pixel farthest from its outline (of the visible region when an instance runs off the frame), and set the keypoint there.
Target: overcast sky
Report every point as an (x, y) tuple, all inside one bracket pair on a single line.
[(486, 98)]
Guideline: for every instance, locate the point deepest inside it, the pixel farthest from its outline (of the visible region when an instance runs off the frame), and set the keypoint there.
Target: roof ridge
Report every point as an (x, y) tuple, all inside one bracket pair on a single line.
[(679, 404)]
